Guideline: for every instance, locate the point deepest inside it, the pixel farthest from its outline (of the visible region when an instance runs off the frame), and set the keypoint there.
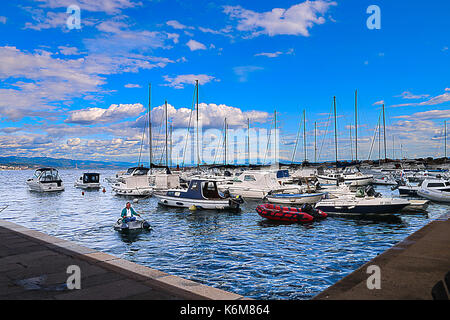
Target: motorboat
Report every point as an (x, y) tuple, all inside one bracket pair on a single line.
[(88, 181), (435, 190), (289, 214), (45, 180), (131, 226), (201, 194), (350, 176), (164, 181), (385, 180), (135, 182), (256, 185), (294, 198), (363, 202)]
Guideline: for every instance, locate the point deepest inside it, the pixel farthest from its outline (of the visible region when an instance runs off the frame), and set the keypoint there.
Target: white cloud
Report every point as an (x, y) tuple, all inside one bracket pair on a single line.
[(179, 81), (107, 6), (427, 115), (131, 85), (176, 25), (211, 115), (442, 98), (243, 72), (378, 103), (195, 45), (296, 20), (274, 54), (3, 19), (112, 114), (68, 51), (409, 95)]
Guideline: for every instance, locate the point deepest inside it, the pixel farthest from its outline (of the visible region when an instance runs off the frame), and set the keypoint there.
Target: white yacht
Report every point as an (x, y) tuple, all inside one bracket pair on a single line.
[(363, 202), (135, 182), (256, 185), (350, 175), (45, 180), (88, 181)]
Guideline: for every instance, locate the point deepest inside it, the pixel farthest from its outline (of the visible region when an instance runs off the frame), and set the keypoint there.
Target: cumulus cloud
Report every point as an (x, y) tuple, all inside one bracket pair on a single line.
[(296, 20), (195, 45), (179, 81), (112, 114), (211, 115)]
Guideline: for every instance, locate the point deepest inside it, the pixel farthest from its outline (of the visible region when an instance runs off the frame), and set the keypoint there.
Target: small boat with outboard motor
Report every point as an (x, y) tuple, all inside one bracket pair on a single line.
[(201, 194), (131, 226), (89, 180), (294, 198), (303, 214)]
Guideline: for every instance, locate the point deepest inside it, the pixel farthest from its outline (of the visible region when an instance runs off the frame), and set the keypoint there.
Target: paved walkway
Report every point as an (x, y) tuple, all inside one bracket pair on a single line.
[(34, 265), (409, 270)]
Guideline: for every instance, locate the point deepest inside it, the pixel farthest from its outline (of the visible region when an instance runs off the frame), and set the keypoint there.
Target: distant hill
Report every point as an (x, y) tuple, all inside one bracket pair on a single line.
[(62, 163)]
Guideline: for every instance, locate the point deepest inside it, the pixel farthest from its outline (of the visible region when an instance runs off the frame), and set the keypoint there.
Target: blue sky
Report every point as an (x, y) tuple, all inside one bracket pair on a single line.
[(82, 93)]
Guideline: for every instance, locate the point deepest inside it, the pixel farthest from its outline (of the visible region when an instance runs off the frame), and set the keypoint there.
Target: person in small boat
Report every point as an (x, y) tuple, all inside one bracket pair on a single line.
[(128, 213)]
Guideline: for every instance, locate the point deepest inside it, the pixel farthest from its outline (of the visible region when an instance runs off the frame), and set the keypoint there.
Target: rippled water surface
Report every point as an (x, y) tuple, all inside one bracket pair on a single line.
[(237, 252)]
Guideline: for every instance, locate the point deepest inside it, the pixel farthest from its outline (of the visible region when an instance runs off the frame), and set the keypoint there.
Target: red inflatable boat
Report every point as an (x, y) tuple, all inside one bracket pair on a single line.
[(289, 214)]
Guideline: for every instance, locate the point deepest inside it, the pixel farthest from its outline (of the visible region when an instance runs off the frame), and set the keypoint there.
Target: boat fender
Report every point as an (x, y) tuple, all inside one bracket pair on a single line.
[(193, 208)]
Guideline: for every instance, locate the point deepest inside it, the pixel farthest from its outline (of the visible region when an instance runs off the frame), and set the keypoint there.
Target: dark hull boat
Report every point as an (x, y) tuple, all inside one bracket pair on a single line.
[(289, 214), (131, 226)]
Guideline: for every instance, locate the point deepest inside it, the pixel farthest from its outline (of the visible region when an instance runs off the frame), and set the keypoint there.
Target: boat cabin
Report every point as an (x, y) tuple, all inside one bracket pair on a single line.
[(198, 189), (47, 175), (90, 178)]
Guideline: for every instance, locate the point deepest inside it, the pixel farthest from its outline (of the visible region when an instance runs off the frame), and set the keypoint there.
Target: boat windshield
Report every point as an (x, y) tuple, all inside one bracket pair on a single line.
[(91, 178), (48, 175)]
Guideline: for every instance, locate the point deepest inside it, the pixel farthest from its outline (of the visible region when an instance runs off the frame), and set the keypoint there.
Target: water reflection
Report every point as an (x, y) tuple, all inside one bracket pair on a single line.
[(239, 252)]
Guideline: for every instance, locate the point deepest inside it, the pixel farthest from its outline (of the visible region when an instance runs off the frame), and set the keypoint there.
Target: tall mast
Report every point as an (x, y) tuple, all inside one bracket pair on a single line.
[(248, 140), (304, 133), (356, 125), (150, 126), (335, 133), (384, 136), (198, 149), (445, 139), (315, 141), (171, 146), (225, 142), (275, 135), (167, 149), (351, 143)]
